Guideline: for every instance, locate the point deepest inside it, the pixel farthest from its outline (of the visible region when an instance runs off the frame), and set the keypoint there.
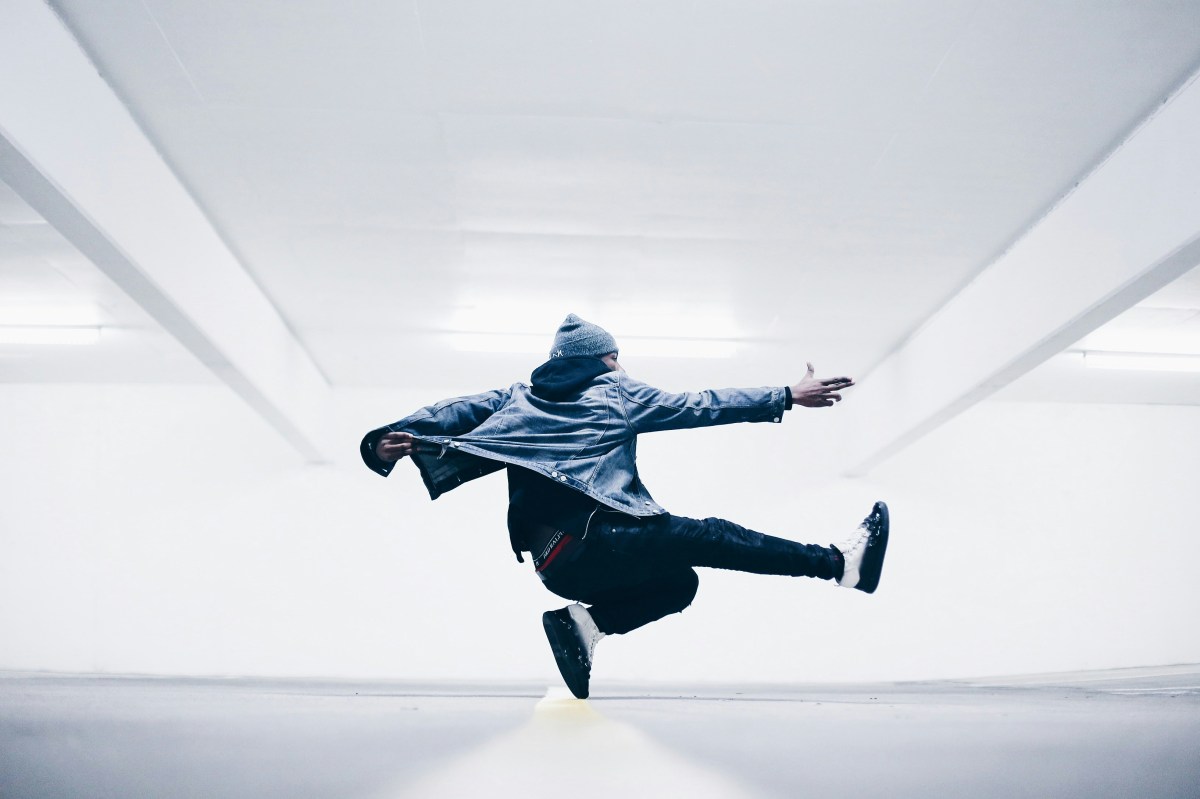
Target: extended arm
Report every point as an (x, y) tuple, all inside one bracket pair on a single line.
[(649, 409), (382, 447)]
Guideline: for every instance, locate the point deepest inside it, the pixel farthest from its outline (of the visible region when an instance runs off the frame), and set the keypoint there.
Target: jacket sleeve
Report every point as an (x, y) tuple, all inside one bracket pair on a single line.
[(450, 417), (649, 409)]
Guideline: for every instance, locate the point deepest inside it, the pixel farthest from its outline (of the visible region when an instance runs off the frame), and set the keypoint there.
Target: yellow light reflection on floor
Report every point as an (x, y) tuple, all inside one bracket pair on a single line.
[(568, 749)]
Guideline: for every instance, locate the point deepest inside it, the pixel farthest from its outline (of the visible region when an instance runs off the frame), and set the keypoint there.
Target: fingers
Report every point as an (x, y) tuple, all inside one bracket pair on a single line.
[(394, 446), (828, 382), (822, 397), (820, 401)]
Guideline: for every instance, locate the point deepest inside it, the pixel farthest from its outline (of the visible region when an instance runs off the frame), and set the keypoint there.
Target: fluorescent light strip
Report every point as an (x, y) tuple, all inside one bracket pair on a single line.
[(515, 343), (1142, 361), (14, 313), (653, 347), (634, 346), (50, 336)]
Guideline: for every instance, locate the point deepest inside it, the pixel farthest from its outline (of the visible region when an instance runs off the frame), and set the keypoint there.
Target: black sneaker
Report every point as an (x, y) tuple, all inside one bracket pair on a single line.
[(573, 636), (864, 551)]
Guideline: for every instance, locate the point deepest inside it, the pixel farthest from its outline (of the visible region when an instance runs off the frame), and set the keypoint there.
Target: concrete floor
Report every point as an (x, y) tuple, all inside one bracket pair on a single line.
[(1131, 733)]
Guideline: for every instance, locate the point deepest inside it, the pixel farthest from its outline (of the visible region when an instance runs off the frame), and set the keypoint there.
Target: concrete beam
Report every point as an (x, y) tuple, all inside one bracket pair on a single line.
[(1129, 228), (72, 151)]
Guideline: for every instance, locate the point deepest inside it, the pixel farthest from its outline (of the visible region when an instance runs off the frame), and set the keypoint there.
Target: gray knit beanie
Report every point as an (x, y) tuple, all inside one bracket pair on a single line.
[(577, 337)]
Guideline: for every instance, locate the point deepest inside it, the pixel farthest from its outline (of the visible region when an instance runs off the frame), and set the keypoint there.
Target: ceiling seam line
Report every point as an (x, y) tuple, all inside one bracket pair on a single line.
[(900, 129), (174, 53)]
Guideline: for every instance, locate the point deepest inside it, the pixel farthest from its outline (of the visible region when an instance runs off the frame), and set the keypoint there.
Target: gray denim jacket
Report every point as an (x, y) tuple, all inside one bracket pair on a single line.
[(589, 444)]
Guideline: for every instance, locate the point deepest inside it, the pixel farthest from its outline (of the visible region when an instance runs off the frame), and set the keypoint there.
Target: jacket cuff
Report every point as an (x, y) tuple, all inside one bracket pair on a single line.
[(367, 450)]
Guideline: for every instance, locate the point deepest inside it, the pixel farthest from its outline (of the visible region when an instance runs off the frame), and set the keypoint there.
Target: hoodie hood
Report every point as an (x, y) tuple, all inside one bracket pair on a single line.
[(562, 378)]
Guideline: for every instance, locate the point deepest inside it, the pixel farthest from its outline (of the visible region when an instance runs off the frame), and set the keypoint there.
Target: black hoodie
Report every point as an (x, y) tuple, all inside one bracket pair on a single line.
[(563, 379), (534, 500)]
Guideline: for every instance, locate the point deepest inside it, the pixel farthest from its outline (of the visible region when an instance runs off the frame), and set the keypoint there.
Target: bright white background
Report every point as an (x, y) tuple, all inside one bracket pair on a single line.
[(266, 209), (167, 530)]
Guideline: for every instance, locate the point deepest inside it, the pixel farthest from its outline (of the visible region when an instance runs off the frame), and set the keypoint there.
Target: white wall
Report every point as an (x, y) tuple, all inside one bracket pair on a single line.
[(166, 530)]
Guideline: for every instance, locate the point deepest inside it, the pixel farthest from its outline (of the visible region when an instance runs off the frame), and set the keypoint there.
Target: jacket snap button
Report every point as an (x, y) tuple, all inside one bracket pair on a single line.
[(777, 418), (554, 474), (562, 477)]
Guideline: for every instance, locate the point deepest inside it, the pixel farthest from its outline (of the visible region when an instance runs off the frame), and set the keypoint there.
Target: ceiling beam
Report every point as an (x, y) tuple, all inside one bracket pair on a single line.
[(1129, 228), (72, 151)]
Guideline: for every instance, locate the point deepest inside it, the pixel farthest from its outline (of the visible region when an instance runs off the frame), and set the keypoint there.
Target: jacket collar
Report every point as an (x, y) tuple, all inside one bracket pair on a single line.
[(560, 379)]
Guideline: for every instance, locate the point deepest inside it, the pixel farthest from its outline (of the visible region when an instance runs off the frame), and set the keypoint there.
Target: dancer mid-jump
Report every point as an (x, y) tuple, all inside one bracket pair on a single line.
[(576, 503)]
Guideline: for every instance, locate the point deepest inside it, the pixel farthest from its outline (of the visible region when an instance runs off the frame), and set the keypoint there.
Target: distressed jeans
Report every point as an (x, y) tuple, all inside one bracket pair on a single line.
[(633, 571)]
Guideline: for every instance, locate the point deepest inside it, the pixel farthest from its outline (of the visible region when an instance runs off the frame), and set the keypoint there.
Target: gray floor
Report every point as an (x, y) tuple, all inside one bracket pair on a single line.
[(1133, 733)]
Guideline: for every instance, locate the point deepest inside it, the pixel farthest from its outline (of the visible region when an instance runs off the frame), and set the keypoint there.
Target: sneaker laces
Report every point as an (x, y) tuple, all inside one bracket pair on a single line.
[(589, 633), (858, 539), (853, 550)]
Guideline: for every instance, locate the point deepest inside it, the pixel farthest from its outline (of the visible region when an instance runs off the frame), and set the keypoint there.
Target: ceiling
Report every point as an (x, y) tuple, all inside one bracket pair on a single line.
[(43, 279), (410, 182)]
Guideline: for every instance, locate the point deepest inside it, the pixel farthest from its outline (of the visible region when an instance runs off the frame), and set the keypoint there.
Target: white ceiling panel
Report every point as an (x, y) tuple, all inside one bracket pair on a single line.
[(272, 53), (631, 177), (558, 176), (730, 61), (300, 168), (806, 177), (368, 280)]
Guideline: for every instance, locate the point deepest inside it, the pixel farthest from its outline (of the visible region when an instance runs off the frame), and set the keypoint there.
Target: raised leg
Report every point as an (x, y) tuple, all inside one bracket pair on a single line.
[(712, 542)]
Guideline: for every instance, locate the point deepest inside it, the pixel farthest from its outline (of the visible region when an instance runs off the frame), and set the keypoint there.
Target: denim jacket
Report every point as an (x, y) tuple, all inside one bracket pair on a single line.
[(588, 443)]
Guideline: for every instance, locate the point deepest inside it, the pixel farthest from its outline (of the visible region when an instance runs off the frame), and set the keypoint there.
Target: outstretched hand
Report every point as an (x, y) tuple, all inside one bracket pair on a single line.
[(813, 393), (394, 446)]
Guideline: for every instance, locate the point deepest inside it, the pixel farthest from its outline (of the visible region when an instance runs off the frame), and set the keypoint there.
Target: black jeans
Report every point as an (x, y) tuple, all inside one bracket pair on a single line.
[(633, 571)]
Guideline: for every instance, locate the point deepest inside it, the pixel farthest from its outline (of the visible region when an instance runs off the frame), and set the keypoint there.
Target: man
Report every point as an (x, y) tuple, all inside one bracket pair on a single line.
[(577, 504)]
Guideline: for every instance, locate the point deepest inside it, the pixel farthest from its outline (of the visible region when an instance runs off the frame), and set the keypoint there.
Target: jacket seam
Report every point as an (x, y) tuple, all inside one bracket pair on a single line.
[(726, 405), (621, 405), (432, 411)]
